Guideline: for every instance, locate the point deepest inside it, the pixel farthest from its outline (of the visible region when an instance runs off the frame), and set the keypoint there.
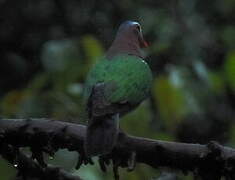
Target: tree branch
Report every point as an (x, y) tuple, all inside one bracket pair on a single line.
[(42, 135), (29, 169)]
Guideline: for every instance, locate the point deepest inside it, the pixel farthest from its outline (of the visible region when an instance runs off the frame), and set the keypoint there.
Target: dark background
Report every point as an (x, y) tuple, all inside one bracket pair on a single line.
[(48, 46)]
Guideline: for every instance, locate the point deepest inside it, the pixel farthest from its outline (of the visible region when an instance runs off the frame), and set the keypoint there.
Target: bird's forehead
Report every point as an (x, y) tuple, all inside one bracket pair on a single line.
[(134, 23), (130, 23), (127, 25)]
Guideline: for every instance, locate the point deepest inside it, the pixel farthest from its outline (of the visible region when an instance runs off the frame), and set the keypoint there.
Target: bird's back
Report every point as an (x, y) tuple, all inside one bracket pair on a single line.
[(128, 79)]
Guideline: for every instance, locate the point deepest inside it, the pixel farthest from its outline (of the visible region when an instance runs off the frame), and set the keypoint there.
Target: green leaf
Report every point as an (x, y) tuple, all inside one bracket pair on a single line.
[(229, 68), (170, 101), (92, 48), (217, 82), (141, 118), (10, 102), (58, 55), (228, 36)]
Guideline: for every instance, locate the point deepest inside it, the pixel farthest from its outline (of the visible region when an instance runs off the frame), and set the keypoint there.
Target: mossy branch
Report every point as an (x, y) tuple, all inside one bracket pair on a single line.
[(211, 161)]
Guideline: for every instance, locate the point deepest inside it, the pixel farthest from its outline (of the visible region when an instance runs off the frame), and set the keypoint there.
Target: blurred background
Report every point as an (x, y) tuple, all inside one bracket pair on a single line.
[(48, 46)]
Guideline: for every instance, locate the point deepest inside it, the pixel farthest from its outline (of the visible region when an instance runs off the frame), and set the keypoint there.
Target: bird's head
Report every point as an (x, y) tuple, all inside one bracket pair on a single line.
[(132, 30), (129, 40)]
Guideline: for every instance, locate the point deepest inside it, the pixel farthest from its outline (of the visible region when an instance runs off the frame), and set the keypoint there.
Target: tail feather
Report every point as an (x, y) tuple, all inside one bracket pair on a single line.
[(101, 135)]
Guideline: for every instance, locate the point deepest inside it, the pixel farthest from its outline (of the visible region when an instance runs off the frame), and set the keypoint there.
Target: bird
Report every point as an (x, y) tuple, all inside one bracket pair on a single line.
[(114, 86)]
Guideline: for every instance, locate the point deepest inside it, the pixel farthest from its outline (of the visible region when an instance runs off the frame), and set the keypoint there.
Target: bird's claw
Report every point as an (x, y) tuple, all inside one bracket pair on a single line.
[(83, 159), (128, 162), (104, 161), (131, 162), (38, 155)]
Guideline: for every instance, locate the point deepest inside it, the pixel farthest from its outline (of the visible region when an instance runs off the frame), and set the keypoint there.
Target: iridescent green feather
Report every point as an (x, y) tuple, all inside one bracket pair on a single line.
[(129, 78)]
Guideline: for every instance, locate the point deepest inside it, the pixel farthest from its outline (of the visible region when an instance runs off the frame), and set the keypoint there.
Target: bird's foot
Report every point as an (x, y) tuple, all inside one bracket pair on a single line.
[(104, 161), (131, 162), (83, 159), (124, 159), (128, 161)]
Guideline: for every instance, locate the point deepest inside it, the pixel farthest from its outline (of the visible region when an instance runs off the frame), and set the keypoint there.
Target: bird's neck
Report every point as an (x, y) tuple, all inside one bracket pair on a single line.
[(124, 46)]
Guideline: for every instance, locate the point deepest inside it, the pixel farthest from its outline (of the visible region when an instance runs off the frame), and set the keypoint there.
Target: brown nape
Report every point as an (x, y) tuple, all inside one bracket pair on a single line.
[(127, 41)]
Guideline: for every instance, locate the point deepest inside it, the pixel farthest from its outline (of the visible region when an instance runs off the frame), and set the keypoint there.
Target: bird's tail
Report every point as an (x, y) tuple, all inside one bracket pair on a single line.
[(101, 135)]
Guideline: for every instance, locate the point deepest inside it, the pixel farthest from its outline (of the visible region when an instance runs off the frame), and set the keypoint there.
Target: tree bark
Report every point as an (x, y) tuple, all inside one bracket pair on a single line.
[(211, 161)]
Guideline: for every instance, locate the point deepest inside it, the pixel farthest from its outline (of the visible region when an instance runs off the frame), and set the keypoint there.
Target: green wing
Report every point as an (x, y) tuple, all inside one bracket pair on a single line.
[(128, 78)]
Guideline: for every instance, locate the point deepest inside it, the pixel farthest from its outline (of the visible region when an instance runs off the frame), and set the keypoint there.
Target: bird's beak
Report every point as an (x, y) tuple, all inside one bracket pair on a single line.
[(143, 43)]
